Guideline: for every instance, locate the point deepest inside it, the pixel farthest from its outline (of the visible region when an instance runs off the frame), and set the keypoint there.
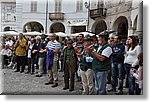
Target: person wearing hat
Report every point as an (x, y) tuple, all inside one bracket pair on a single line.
[(101, 63), (69, 65), (86, 71)]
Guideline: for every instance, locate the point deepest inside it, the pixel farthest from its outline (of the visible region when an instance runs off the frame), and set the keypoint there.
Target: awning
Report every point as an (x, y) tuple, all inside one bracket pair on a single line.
[(60, 34), (9, 33), (32, 33), (84, 33)]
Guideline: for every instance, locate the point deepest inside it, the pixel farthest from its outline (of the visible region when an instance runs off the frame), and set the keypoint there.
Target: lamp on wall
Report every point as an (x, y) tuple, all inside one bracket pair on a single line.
[(86, 4)]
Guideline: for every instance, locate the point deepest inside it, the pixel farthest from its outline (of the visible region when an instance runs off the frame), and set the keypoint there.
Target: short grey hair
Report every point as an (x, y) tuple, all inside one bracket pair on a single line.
[(53, 34), (38, 37)]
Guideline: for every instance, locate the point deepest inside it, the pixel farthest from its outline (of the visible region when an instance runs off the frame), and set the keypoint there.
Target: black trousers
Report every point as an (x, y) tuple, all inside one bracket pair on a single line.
[(68, 74), (5, 60), (44, 66), (31, 62), (137, 89), (21, 61)]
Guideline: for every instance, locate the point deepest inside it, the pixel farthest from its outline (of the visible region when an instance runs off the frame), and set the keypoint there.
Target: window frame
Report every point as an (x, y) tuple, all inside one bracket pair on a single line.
[(34, 6)]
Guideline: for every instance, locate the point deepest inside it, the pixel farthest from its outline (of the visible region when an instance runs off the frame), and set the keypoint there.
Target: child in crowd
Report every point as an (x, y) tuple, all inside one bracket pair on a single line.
[(139, 75)]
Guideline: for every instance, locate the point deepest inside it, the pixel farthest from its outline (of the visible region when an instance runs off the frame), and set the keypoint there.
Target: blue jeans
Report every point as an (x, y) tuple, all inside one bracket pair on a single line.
[(100, 82), (117, 72), (131, 80)]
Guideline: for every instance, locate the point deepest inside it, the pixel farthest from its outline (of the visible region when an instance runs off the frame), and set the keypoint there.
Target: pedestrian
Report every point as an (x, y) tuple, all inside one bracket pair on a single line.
[(139, 75), (13, 57), (52, 72), (79, 48), (6, 53), (34, 55), (41, 57), (117, 64), (131, 61), (101, 63), (109, 81), (86, 71), (69, 65), (30, 56), (20, 51), (95, 42)]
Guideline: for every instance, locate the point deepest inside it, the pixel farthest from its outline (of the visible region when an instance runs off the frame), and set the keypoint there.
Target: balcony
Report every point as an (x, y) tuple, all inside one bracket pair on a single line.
[(56, 16), (100, 12)]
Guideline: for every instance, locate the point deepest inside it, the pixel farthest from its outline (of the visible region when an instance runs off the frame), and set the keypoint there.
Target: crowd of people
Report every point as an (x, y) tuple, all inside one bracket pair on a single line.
[(97, 61)]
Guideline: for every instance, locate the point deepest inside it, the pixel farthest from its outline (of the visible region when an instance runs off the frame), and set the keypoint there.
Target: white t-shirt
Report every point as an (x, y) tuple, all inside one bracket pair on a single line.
[(7, 52), (131, 56), (10, 43), (29, 51), (106, 52)]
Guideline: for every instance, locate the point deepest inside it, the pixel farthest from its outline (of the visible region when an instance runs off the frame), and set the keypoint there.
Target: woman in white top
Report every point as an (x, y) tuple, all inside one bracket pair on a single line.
[(131, 61)]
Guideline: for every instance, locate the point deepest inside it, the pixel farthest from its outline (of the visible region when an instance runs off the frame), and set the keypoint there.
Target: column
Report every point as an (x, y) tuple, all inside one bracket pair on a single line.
[(139, 30), (0, 17)]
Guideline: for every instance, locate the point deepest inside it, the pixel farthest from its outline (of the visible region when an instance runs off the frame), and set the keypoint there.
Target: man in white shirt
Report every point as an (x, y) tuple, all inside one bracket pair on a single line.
[(101, 63), (52, 72)]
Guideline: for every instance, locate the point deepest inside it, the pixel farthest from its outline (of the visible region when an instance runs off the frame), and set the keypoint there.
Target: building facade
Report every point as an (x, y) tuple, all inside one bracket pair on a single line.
[(122, 16), (7, 15), (47, 16), (51, 16)]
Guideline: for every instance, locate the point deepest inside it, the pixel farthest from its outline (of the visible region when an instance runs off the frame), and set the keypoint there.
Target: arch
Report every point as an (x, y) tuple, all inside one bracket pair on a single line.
[(99, 26), (33, 26), (7, 28), (57, 27), (121, 26)]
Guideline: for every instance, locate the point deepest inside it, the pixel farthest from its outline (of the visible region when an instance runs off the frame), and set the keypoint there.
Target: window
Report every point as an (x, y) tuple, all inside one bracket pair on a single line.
[(57, 5), (33, 6), (79, 5), (8, 17), (100, 4), (122, 1)]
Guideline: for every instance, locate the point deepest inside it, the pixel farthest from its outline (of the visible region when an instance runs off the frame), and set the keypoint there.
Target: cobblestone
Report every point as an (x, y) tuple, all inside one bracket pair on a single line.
[(26, 84)]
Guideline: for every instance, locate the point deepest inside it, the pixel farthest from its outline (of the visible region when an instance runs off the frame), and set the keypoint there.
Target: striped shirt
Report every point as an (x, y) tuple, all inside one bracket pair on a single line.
[(53, 45)]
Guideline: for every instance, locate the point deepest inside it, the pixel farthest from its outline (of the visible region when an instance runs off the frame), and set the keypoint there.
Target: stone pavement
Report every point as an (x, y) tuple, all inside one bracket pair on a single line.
[(16, 83)]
